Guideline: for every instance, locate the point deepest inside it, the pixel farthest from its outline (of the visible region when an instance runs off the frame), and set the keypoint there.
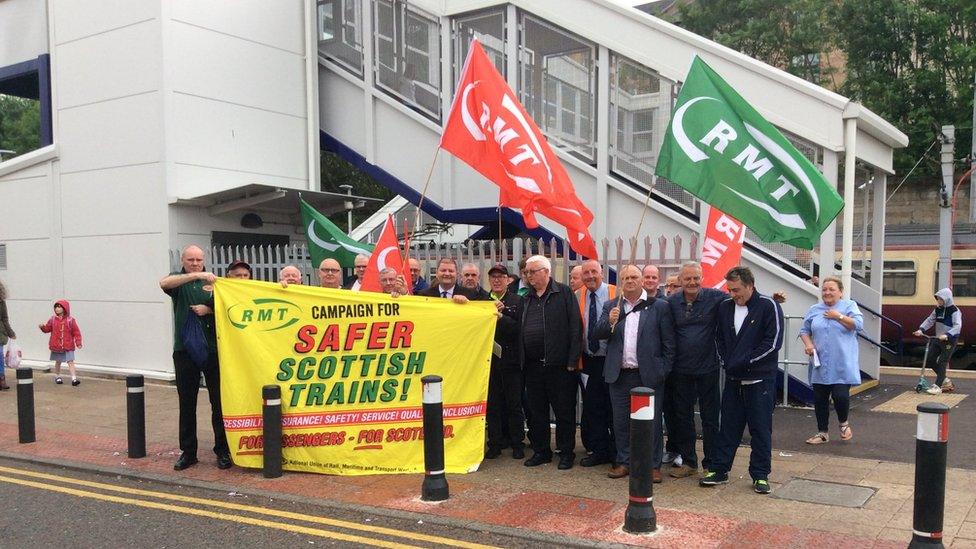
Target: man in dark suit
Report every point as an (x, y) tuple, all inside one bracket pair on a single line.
[(639, 331), (447, 285)]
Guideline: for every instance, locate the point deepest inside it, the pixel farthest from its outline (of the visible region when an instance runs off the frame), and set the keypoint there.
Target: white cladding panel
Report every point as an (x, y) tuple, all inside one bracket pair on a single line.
[(278, 24), (25, 314), (91, 199), (236, 70), (121, 132), (117, 334), (109, 65), (114, 268), (74, 19), (254, 142), (29, 195), (405, 148), (341, 110), (28, 274), (23, 23)]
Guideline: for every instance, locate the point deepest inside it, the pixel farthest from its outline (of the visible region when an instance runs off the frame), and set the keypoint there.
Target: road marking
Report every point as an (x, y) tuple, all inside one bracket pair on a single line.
[(251, 509), (204, 513)]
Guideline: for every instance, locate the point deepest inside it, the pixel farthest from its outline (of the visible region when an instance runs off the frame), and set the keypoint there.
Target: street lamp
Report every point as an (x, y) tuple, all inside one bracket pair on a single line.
[(349, 206)]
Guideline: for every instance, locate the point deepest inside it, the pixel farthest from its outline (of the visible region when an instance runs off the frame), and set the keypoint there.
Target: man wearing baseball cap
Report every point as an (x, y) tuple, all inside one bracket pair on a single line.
[(239, 269), (506, 422)]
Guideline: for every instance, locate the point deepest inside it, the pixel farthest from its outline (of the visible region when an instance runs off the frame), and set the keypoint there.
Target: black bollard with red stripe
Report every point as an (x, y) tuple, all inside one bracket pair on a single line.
[(25, 405), (931, 445), (434, 487), (271, 414), (135, 407), (640, 517)]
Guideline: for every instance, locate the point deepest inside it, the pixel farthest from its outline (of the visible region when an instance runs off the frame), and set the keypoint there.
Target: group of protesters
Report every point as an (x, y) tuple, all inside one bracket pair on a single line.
[(554, 340)]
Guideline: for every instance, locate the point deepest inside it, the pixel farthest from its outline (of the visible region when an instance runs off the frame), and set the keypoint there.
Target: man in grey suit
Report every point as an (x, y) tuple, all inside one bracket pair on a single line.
[(639, 330)]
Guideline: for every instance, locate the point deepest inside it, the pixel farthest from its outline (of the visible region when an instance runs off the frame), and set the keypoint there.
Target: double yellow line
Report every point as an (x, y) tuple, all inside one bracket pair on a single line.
[(276, 513)]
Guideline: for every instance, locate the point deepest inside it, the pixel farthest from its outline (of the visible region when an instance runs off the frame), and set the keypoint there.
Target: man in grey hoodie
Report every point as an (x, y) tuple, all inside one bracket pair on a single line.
[(948, 324)]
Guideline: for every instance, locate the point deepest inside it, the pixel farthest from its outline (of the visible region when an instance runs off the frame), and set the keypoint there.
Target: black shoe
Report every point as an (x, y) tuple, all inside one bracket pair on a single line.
[(761, 486), (538, 458), (518, 453), (75, 382), (594, 459), (185, 461), (492, 453), (566, 461), (224, 461)]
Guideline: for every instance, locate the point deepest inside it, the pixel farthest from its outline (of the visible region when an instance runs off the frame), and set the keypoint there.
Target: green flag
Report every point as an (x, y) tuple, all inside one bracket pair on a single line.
[(722, 151), (327, 240)]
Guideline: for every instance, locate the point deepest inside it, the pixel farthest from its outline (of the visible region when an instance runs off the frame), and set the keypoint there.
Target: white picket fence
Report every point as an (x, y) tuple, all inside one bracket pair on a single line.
[(667, 253)]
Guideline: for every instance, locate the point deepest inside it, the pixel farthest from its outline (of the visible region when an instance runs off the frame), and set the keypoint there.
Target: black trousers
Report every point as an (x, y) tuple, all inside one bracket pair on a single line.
[(187, 389), (840, 393), (685, 390), (506, 423), (596, 423), (555, 387), (939, 360)]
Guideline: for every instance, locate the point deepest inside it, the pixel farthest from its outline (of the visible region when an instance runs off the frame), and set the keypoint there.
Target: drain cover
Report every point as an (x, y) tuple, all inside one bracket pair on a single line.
[(827, 493)]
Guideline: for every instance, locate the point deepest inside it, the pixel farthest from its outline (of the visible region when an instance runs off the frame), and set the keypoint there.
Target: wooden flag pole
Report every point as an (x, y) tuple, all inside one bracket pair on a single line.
[(633, 247), (423, 193)]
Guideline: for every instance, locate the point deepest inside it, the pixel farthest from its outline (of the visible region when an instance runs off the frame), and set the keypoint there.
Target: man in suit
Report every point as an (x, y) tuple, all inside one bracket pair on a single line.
[(748, 336), (640, 353), (447, 285), (595, 425), (359, 268)]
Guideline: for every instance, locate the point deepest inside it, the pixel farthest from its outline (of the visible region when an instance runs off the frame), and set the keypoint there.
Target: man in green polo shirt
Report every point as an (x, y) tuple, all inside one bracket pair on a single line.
[(191, 290)]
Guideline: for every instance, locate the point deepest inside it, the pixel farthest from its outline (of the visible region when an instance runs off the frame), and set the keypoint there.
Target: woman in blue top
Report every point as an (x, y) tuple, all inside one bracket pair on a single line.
[(829, 334)]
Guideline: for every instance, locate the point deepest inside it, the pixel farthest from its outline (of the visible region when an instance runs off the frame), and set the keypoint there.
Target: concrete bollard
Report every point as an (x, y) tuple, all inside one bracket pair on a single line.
[(135, 407), (435, 486), (931, 444), (640, 517), (271, 395), (25, 405)]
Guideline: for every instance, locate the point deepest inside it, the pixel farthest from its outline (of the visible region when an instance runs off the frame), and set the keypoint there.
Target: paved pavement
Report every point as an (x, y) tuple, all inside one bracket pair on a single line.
[(85, 427)]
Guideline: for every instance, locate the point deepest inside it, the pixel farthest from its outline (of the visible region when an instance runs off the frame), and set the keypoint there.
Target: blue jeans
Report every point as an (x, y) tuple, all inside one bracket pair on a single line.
[(743, 405), (620, 400)]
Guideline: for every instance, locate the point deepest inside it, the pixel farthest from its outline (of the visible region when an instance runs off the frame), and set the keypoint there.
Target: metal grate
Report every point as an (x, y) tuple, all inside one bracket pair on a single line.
[(3, 257), (407, 55), (489, 28), (341, 33)]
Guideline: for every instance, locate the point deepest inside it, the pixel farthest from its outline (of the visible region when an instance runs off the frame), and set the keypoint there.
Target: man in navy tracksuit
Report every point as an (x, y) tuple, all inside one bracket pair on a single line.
[(748, 336)]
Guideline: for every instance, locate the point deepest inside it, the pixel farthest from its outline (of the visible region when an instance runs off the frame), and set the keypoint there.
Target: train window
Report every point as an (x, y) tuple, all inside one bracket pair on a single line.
[(899, 278), (963, 278)]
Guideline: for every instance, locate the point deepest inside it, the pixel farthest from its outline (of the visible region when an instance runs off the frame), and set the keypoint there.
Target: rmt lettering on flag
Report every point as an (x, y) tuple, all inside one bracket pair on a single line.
[(491, 131)]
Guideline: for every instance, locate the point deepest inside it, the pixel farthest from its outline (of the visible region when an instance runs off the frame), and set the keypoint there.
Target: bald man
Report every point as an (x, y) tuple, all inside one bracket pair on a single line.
[(191, 290), (330, 274), (359, 268), (651, 281)]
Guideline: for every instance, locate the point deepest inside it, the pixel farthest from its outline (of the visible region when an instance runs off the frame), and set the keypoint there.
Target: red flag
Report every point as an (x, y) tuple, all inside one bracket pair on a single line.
[(385, 254), (722, 249), (492, 132)]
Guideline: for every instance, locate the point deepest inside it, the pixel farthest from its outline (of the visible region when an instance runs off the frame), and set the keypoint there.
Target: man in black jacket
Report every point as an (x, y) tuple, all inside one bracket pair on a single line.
[(506, 422), (549, 350), (748, 336), (471, 281), (447, 285)]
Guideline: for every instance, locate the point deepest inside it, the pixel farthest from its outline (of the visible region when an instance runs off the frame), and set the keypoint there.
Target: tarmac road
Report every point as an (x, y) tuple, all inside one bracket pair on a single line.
[(55, 507)]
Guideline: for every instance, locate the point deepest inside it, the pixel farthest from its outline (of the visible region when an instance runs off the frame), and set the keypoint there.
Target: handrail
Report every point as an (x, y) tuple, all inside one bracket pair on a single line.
[(882, 346), (899, 350)]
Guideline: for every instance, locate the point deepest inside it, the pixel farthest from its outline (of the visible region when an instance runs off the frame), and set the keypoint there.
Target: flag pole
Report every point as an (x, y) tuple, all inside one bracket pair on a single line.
[(423, 194), (633, 247)]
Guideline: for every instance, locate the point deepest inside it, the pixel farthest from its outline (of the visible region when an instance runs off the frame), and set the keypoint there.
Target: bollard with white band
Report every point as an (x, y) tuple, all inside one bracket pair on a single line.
[(640, 517), (931, 445), (434, 487), (135, 405), (271, 395), (25, 404)]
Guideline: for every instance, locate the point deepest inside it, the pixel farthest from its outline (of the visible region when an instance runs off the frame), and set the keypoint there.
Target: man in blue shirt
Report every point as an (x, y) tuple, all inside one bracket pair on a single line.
[(695, 376)]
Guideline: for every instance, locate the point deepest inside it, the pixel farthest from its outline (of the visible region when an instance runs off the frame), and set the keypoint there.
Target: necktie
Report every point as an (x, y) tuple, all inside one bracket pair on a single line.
[(444, 294), (593, 343)]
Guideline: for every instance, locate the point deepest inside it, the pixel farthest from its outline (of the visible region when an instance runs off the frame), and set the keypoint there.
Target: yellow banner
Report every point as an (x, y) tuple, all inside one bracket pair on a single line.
[(350, 366)]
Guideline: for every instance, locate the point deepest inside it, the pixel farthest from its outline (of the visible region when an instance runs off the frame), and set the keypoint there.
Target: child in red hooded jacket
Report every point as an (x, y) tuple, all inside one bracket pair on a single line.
[(65, 337)]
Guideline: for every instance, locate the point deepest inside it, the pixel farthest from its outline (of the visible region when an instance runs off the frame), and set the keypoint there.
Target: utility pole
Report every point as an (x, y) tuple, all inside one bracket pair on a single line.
[(948, 138)]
